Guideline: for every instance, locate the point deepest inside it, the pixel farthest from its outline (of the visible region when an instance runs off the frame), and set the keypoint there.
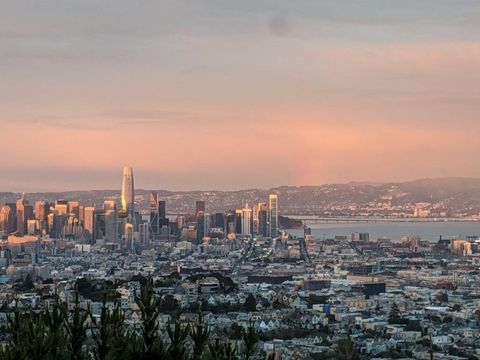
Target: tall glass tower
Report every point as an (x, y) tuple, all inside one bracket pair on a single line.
[(128, 196), (154, 213), (273, 215)]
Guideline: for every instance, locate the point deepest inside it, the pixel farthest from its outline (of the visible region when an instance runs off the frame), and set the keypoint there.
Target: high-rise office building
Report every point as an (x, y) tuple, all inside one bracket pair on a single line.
[(99, 225), (219, 221), (154, 216), (162, 210), (128, 194), (201, 225), (262, 219), (24, 213), (61, 207), (208, 223), (238, 221), (56, 224), (8, 218), (158, 214), (255, 219), (129, 239), (32, 227), (89, 223), (164, 222), (71, 229), (50, 221), (200, 214), (273, 215), (111, 225), (137, 219), (199, 206), (230, 222), (109, 205), (81, 213), (41, 210), (4, 212), (74, 208), (247, 221), (21, 221), (144, 233), (181, 220)]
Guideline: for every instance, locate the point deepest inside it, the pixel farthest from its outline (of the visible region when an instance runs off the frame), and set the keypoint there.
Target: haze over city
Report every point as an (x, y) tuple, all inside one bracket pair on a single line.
[(239, 179), (232, 95)]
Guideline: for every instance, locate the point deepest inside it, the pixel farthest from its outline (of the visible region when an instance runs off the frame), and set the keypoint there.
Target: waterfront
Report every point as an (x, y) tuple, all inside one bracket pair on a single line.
[(430, 231)]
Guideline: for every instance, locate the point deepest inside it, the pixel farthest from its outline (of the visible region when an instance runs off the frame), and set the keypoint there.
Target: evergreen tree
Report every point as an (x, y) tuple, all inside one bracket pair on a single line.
[(230, 351), (199, 335), (15, 323), (36, 335), (250, 340), (149, 305), (394, 317), (76, 331), (55, 320), (110, 335), (250, 303), (177, 349), (346, 349), (216, 350), (36, 340)]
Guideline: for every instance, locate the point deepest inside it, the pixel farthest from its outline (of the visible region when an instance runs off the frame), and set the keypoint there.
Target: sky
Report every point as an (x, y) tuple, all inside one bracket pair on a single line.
[(225, 95)]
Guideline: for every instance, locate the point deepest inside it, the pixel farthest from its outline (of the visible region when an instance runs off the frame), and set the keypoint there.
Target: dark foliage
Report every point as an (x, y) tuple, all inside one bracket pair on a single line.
[(63, 331)]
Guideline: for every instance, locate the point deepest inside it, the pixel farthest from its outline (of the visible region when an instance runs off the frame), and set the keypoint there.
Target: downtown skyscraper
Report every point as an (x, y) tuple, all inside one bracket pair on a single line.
[(24, 213), (247, 221), (158, 214), (273, 215), (128, 195), (262, 220)]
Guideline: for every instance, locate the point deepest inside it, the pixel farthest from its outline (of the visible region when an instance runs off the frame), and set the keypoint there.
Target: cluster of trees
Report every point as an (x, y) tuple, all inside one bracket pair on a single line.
[(227, 285), (343, 349), (97, 290), (25, 284), (294, 332), (63, 332), (395, 319)]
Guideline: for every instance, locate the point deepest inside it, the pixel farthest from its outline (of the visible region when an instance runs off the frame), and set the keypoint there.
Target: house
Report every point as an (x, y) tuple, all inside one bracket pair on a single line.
[(410, 336), (442, 340), (212, 301), (299, 304), (319, 320)]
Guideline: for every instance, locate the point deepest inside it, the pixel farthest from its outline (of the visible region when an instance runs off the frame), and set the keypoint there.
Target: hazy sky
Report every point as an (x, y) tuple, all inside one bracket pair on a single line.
[(237, 94)]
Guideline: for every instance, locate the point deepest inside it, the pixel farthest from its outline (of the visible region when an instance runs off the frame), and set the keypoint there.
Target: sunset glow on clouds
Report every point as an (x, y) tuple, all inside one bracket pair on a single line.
[(208, 95)]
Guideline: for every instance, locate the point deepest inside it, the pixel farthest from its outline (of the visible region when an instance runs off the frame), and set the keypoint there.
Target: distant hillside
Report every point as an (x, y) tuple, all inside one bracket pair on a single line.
[(444, 197)]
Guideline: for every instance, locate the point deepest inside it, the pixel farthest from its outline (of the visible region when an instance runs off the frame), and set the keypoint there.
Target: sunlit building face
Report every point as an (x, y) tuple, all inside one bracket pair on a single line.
[(128, 191)]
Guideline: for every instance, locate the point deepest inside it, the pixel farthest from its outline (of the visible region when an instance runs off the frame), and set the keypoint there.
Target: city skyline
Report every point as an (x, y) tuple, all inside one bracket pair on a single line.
[(121, 219), (246, 179), (321, 92)]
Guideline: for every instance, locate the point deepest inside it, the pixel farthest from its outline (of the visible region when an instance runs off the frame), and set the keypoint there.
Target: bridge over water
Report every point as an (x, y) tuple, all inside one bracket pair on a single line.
[(310, 219)]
